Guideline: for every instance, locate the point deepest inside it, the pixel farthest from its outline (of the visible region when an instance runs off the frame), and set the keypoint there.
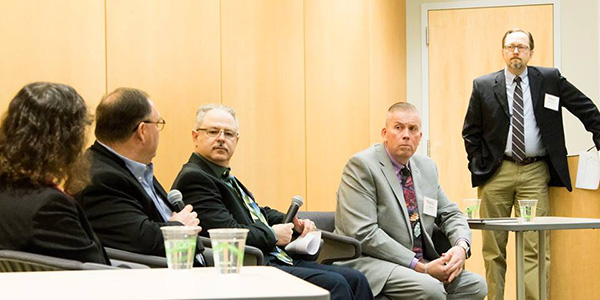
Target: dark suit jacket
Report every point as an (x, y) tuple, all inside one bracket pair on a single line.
[(122, 214), (46, 221), (487, 121), (218, 206)]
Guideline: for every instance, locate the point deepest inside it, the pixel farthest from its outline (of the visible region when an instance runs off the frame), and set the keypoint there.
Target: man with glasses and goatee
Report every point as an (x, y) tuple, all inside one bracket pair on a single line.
[(515, 144), (222, 201), (125, 203)]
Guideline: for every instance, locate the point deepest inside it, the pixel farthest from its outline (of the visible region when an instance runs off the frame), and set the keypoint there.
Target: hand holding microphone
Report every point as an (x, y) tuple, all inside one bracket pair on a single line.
[(302, 226), (297, 201), (176, 199), (182, 214)]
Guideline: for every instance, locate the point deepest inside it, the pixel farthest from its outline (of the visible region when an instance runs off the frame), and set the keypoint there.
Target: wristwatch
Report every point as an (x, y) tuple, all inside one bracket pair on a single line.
[(463, 244)]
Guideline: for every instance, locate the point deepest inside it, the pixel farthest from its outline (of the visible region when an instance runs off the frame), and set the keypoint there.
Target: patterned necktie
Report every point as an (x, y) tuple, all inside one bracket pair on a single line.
[(408, 188), (518, 124), (256, 215)]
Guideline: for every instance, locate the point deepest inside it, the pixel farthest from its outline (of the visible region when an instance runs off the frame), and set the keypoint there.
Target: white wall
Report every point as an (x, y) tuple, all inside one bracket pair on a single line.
[(579, 55)]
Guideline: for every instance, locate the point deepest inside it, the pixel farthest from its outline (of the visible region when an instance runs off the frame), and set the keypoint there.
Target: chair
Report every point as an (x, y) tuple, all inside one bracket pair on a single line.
[(148, 260), (151, 261), (252, 255), (18, 261), (335, 247)]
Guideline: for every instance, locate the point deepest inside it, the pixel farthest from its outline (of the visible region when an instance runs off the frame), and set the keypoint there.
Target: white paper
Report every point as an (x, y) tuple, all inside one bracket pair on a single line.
[(551, 102), (308, 244), (430, 207), (588, 171)]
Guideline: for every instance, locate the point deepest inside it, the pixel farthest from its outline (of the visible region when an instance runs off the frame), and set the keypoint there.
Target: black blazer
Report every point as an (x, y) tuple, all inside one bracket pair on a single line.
[(487, 122), (122, 214), (46, 221), (218, 206)]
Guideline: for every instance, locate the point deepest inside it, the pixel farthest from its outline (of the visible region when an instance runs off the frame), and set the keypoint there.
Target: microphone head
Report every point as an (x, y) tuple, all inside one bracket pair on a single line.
[(298, 200), (175, 196)]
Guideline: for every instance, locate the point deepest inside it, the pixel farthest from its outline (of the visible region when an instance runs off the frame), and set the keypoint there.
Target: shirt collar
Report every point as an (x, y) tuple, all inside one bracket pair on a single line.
[(510, 77), (395, 164), (219, 171), (138, 169)]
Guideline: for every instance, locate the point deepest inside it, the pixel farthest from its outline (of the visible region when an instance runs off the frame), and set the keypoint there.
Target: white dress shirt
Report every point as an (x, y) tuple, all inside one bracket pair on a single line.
[(533, 139)]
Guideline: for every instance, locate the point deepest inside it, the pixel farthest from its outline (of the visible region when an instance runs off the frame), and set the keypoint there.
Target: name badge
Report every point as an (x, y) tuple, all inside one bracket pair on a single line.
[(551, 102), (430, 207)]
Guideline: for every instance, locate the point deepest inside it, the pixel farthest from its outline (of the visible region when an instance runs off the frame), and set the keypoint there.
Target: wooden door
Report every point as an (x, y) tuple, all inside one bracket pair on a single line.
[(465, 44)]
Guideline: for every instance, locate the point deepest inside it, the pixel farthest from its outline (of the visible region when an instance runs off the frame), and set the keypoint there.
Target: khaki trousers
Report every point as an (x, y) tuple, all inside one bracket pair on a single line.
[(498, 196)]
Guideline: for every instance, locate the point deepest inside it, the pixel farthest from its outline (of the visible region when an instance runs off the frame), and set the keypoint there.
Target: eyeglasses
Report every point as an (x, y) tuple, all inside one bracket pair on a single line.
[(511, 48), (215, 132), (160, 124)]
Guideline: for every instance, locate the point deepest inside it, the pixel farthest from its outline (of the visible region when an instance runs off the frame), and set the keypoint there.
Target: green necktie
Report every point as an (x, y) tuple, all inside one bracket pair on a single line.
[(256, 215)]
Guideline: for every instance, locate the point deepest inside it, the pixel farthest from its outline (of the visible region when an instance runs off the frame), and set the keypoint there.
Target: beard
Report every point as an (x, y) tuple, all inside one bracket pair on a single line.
[(516, 64)]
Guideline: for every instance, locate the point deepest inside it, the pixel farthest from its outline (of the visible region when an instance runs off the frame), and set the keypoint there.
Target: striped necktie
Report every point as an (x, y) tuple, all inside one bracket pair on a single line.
[(518, 124)]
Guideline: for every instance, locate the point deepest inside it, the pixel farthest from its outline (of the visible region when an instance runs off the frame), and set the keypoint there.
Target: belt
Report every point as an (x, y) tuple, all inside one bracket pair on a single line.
[(526, 161)]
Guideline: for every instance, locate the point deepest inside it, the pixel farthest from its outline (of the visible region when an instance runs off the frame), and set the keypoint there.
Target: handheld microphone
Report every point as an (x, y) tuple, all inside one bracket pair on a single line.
[(297, 201), (176, 199)]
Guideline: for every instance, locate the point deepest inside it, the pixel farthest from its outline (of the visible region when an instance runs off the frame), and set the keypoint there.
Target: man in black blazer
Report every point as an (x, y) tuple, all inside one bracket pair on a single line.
[(515, 145), (222, 201), (125, 203)]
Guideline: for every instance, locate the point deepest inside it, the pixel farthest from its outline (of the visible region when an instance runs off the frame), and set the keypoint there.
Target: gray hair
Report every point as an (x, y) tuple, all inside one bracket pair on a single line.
[(201, 113), (401, 106)]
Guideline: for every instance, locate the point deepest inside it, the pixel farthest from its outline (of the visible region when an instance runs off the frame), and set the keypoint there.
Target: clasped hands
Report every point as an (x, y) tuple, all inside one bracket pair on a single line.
[(447, 267)]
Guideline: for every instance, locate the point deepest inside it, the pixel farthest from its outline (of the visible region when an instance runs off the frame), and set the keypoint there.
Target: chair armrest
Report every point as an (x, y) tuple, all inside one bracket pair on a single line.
[(148, 260), (122, 265), (252, 255), (338, 248), (309, 257)]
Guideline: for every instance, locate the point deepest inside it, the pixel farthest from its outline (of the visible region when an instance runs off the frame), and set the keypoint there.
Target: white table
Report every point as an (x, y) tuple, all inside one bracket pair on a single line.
[(541, 225), (199, 283)]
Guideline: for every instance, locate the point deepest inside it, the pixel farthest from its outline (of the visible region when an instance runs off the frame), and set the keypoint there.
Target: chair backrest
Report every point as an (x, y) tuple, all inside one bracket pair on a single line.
[(18, 261), (325, 220)]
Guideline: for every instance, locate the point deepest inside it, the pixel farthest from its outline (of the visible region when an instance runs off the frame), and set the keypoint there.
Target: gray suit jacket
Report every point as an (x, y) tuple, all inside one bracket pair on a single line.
[(371, 208)]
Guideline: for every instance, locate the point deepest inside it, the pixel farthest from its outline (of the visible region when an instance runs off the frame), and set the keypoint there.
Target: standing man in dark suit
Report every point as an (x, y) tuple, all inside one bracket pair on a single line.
[(125, 202), (222, 201), (515, 145)]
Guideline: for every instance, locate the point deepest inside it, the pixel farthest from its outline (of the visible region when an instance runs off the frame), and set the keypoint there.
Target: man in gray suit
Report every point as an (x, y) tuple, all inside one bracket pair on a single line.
[(390, 199)]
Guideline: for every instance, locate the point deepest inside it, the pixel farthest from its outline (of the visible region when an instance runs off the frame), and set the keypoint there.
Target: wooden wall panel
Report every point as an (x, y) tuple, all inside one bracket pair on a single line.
[(387, 61), (58, 41), (263, 79), (310, 79), (170, 49), (337, 93)]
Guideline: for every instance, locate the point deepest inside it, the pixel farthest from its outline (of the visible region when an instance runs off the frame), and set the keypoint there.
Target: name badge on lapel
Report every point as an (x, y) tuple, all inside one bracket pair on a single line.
[(551, 102), (430, 207)]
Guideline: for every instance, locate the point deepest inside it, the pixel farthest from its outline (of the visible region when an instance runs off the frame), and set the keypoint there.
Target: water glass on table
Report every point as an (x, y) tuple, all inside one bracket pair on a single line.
[(527, 209), (472, 210), (228, 248), (180, 245)]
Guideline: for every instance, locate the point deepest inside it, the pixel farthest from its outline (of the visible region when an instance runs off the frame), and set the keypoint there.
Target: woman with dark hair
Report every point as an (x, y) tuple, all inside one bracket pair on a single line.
[(42, 138)]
